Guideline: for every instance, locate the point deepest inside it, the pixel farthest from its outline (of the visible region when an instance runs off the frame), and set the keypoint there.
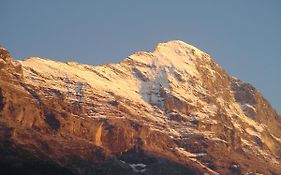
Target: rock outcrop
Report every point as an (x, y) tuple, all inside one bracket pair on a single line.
[(170, 111)]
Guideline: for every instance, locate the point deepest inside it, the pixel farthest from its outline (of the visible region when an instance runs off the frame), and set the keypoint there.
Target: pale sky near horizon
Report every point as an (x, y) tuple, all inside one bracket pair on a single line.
[(244, 37)]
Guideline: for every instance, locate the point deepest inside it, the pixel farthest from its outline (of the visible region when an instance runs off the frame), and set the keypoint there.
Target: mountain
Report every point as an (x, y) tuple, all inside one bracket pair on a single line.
[(172, 111)]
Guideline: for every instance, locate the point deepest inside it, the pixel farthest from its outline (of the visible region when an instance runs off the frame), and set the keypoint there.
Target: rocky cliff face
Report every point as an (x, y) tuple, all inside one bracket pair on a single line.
[(170, 111)]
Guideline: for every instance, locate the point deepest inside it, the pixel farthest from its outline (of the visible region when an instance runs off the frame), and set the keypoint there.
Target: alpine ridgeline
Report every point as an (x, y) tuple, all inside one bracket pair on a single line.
[(173, 111)]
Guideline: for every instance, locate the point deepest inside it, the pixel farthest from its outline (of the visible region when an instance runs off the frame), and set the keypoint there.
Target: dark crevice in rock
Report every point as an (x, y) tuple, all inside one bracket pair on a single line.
[(52, 121), (33, 93)]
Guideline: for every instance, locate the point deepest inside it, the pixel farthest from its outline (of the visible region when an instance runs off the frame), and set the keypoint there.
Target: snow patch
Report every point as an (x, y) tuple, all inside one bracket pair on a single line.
[(185, 153), (253, 132), (138, 168)]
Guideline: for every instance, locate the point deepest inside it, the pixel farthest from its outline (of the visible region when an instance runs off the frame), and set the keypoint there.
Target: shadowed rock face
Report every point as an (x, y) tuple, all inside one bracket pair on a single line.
[(1, 100), (170, 111)]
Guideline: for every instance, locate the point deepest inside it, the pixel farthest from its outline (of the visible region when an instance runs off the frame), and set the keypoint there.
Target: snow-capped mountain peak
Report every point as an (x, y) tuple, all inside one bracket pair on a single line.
[(174, 102)]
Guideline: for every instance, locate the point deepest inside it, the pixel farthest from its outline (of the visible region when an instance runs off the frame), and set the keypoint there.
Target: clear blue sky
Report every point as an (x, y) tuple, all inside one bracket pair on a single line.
[(243, 36)]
